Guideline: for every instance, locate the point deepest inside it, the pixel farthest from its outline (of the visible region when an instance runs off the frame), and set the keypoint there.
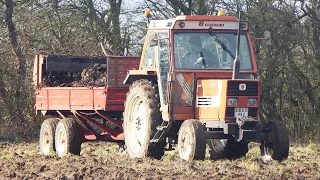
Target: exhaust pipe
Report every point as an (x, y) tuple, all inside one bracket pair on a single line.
[(236, 62)]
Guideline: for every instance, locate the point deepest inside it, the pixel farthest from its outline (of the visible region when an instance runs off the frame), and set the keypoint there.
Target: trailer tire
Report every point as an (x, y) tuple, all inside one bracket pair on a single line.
[(234, 149), (46, 137), (277, 145), (141, 117), (67, 137), (191, 140)]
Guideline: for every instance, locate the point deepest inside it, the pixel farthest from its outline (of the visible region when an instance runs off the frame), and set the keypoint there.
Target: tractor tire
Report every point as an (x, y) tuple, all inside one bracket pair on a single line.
[(216, 148), (277, 145), (67, 137), (141, 117), (46, 138), (191, 140), (234, 149)]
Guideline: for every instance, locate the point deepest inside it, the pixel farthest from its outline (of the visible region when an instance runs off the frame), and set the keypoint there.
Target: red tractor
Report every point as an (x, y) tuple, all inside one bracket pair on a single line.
[(197, 85)]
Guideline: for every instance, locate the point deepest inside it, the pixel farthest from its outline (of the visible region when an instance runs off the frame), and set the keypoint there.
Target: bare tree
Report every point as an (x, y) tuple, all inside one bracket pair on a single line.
[(16, 49)]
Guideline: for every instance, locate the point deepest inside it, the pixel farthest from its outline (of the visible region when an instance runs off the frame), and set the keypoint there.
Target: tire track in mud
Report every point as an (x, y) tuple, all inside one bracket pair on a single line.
[(103, 160)]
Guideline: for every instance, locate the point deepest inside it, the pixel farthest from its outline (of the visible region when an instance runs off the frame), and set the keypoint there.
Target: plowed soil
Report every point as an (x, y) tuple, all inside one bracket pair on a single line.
[(103, 160)]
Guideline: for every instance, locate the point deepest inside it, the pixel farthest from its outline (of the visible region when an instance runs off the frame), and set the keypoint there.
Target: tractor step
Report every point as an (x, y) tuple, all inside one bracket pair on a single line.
[(161, 128), (161, 132), (154, 140)]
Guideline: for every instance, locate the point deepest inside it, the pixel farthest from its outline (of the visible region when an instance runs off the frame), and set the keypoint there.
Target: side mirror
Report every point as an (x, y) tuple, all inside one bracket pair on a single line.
[(267, 37), (266, 40), (152, 39)]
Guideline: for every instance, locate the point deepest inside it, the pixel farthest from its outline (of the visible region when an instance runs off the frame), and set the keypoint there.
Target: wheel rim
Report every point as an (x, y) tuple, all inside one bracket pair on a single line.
[(218, 145), (61, 141), (137, 124), (186, 145), (268, 148)]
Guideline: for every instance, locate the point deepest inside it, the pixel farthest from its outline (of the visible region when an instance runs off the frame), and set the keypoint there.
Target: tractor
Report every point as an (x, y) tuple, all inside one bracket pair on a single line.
[(197, 87)]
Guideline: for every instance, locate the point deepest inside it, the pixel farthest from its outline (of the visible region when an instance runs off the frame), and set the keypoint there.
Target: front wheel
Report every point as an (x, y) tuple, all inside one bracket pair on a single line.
[(235, 149), (191, 141), (216, 148), (227, 148), (276, 147)]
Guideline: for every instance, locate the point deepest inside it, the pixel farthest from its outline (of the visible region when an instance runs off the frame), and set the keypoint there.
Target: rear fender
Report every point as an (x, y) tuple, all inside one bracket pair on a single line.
[(134, 75)]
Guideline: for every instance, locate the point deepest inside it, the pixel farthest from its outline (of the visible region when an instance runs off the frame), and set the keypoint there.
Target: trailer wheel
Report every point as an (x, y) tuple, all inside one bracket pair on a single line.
[(46, 139), (141, 118), (67, 137), (234, 149), (191, 141), (276, 147)]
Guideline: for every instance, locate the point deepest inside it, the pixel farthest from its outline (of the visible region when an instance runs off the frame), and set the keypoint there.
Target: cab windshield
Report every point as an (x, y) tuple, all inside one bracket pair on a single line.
[(189, 47)]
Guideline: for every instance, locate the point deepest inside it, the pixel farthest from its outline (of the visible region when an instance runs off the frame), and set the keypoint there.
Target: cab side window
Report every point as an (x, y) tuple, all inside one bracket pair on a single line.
[(164, 63), (149, 55)]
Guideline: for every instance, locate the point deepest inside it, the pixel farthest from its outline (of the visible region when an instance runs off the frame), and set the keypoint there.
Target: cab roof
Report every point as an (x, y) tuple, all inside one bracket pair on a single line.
[(199, 22)]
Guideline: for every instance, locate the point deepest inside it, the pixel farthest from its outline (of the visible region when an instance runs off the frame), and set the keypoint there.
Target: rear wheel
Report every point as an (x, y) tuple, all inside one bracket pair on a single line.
[(191, 141), (276, 147), (141, 118), (67, 137), (46, 139)]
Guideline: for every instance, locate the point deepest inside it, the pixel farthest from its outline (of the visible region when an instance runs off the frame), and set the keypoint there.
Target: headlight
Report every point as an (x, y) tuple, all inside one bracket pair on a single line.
[(252, 102), (232, 101)]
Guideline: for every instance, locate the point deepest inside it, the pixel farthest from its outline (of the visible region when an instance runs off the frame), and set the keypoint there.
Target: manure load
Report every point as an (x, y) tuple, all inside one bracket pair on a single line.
[(73, 71), (94, 75)]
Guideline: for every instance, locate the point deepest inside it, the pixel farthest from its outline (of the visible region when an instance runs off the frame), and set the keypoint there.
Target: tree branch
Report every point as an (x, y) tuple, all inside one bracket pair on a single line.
[(182, 7), (311, 89), (299, 18), (155, 5)]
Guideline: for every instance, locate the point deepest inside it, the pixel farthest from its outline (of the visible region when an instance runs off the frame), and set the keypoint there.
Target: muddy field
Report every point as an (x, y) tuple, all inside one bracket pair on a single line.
[(103, 160)]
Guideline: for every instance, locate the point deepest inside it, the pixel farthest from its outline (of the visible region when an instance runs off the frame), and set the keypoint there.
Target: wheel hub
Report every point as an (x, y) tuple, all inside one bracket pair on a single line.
[(46, 140), (186, 144), (138, 123), (61, 141)]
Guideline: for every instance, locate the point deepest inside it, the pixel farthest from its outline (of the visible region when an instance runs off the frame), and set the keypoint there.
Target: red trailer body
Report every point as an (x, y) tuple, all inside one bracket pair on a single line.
[(81, 98), (99, 109)]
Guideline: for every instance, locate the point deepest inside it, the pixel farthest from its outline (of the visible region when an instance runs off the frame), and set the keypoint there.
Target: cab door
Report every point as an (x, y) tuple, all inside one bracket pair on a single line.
[(163, 69)]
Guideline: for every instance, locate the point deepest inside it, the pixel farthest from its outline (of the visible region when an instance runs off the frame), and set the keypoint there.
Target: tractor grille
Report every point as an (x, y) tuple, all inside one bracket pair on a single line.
[(204, 101), (251, 89), (252, 112)]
